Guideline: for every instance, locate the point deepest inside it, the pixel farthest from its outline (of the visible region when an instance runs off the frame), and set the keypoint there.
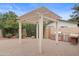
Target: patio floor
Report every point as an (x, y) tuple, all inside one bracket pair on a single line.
[(29, 47)]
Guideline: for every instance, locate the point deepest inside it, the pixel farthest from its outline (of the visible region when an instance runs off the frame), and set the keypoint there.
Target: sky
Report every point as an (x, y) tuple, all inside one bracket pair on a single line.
[(62, 9)]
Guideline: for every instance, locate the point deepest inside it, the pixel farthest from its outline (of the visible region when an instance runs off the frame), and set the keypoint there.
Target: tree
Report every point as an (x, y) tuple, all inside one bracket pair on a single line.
[(75, 15), (1, 25), (1, 16), (9, 20), (9, 23)]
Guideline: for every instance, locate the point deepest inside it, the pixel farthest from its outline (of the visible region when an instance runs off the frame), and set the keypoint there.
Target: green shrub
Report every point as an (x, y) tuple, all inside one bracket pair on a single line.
[(8, 35), (30, 29)]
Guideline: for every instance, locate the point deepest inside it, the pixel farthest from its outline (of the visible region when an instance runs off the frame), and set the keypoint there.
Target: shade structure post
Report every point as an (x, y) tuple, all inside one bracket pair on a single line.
[(56, 32), (40, 33), (37, 33), (20, 32)]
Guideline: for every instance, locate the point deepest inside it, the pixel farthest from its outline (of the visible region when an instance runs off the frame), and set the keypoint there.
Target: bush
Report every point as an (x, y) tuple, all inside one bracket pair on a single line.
[(30, 29), (8, 35)]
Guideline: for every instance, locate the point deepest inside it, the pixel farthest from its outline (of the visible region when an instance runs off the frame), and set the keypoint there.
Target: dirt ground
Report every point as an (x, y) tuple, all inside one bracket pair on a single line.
[(29, 47)]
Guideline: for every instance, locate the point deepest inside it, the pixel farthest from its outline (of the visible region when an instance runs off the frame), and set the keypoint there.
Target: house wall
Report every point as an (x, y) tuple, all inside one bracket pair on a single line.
[(63, 23), (63, 27)]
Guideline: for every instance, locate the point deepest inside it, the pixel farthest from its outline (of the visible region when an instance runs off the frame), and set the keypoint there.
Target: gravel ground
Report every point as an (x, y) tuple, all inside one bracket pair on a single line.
[(29, 47)]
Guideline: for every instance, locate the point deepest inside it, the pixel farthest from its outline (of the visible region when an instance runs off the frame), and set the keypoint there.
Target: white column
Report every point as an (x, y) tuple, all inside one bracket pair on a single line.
[(40, 33), (20, 32), (37, 33), (56, 32)]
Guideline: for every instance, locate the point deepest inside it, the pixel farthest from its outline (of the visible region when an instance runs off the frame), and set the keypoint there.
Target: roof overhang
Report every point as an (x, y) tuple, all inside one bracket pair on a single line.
[(34, 16)]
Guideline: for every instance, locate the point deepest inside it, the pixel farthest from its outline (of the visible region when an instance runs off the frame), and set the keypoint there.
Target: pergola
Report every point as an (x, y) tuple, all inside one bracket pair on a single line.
[(37, 17)]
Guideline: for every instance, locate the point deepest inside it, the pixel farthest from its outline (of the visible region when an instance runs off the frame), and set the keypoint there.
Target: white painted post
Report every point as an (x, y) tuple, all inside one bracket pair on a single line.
[(37, 25), (40, 33), (20, 32), (56, 32)]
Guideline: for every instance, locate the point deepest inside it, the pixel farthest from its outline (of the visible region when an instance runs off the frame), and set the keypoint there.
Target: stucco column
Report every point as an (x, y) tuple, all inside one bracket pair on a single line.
[(20, 32), (37, 33), (56, 32), (40, 33)]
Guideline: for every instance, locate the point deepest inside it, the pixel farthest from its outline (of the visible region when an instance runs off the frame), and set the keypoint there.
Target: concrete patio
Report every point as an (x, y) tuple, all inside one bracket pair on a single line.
[(29, 47)]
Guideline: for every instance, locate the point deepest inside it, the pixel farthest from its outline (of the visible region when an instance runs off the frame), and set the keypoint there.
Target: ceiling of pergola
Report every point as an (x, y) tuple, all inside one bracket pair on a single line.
[(34, 16)]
